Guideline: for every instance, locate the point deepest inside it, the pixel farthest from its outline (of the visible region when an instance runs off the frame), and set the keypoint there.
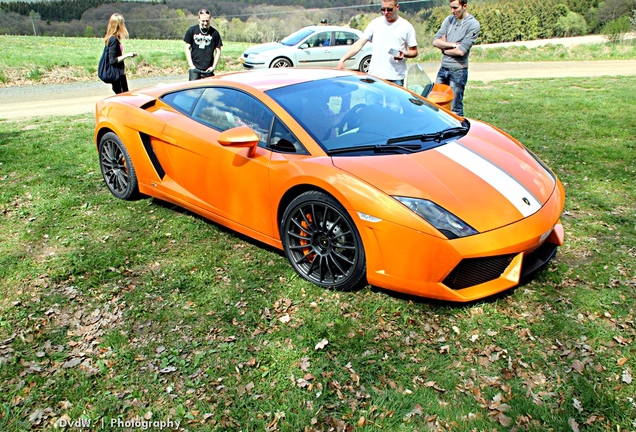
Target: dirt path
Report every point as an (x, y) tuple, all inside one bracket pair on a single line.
[(20, 103)]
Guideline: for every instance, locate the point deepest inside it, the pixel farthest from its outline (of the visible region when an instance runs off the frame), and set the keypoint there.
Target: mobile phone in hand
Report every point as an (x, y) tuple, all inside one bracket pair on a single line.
[(394, 52)]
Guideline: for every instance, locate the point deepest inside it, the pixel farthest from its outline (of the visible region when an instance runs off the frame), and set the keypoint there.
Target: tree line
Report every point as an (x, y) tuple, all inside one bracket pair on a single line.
[(249, 21)]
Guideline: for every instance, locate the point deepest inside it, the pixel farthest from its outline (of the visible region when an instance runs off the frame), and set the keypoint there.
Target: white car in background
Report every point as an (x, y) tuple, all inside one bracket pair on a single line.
[(312, 46)]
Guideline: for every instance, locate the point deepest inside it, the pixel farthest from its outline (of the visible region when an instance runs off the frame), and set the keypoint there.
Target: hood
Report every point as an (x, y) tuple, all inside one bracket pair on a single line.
[(486, 179), (258, 49)]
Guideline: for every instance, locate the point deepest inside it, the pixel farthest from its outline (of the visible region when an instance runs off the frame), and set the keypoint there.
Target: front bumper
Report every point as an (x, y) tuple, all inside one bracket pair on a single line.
[(464, 269)]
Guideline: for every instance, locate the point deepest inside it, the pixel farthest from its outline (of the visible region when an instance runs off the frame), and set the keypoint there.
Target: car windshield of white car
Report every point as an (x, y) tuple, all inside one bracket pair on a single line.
[(354, 115), (295, 38)]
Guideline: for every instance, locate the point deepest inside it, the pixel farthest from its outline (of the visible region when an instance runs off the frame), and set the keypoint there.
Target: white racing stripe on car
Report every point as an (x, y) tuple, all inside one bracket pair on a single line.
[(506, 185)]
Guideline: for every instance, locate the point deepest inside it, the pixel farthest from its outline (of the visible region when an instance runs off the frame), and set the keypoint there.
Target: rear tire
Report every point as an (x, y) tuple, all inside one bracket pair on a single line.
[(117, 168), (322, 243)]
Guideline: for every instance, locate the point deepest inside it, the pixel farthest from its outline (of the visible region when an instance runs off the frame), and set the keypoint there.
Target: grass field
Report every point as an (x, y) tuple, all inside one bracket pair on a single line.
[(142, 312), (58, 59), (139, 311)]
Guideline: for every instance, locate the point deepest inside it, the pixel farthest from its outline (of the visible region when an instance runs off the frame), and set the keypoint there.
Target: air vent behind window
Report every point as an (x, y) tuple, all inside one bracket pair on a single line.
[(148, 105), (145, 139)]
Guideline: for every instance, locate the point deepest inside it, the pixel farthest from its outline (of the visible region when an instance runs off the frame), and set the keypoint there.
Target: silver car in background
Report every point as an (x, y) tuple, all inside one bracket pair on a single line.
[(312, 46)]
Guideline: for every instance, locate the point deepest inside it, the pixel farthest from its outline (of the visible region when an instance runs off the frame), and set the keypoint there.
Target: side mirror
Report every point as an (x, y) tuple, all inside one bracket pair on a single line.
[(304, 45), (241, 136), (442, 95)]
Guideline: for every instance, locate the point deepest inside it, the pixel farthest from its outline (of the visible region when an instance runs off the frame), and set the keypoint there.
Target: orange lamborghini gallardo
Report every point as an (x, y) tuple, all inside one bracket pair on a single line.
[(356, 179)]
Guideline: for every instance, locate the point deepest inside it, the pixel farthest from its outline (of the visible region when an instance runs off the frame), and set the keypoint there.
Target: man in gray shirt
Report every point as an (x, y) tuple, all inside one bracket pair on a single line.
[(455, 38)]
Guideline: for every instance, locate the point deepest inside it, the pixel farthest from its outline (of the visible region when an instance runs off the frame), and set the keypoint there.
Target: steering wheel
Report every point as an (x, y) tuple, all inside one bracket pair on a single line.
[(351, 119)]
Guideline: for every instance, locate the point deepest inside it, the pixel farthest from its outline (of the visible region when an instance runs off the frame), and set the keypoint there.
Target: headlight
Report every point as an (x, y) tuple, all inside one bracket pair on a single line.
[(255, 56), (446, 222)]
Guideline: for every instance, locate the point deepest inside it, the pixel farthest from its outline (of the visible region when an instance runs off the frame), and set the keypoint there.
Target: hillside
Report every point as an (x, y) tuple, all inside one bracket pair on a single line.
[(248, 21)]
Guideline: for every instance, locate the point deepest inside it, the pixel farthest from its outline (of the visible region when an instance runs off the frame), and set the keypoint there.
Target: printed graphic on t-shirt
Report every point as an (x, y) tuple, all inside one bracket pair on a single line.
[(202, 40)]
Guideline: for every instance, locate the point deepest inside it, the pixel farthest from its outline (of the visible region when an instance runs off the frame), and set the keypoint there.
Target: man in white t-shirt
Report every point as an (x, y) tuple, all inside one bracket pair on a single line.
[(393, 41)]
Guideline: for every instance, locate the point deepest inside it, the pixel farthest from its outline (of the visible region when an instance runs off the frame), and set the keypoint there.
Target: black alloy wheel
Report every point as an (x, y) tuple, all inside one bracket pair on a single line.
[(117, 168), (322, 243)]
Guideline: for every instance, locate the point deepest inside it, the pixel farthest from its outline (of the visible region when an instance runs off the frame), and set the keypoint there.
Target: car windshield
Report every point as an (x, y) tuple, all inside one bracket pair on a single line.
[(364, 115), (296, 37)]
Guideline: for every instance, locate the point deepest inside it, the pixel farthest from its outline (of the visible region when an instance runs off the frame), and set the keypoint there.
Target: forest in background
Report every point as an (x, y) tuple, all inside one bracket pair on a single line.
[(249, 21)]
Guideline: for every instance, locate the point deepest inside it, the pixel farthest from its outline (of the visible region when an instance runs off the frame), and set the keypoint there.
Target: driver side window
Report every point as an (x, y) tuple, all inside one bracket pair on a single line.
[(282, 140), (319, 39), (223, 109)]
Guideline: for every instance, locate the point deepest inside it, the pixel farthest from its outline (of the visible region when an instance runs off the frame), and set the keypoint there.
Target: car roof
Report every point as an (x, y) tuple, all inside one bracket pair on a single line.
[(259, 79), (332, 28), (267, 79)]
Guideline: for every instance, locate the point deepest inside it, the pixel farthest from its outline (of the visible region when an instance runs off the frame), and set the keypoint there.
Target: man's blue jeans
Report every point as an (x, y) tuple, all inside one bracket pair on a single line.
[(456, 79)]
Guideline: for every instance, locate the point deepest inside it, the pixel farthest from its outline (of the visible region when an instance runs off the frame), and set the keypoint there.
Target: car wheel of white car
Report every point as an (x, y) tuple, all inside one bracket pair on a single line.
[(280, 62), (364, 64)]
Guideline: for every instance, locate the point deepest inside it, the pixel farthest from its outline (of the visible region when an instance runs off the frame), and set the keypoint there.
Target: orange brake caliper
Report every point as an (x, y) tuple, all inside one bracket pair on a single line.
[(307, 251)]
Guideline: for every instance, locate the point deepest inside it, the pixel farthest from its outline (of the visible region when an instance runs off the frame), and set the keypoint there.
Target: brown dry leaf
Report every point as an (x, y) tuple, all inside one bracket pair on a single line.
[(36, 415), (577, 366), (621, 361), (591, 420), (621, 340), (417, 410), (320, 345), (72, 363), (434, 385), (304, 364), (573, 424), (627, 377), (337, 424), (65, 404), (503, 419)]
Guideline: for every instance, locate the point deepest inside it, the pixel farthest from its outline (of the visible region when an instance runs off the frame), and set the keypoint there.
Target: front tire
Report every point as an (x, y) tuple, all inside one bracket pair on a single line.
[(117, 168), (280, 63), (365, 64), (322, 243)]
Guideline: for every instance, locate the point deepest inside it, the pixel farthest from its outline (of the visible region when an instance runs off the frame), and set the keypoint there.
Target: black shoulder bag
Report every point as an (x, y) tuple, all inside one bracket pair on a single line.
[(105, 71)]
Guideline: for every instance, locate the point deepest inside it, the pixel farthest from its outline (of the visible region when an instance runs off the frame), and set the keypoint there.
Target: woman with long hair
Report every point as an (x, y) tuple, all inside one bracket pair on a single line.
[(115, 33)]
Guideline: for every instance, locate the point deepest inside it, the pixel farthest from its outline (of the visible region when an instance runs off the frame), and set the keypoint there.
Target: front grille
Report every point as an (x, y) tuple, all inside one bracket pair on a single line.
[(474, 271)]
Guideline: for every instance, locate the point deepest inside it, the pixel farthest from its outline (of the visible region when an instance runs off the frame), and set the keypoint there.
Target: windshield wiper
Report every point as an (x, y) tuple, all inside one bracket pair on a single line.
[(435, 136), (377, 148)]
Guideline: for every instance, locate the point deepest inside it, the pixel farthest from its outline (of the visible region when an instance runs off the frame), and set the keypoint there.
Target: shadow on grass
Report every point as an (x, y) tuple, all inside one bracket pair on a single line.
[(467, 305), (438, 304)]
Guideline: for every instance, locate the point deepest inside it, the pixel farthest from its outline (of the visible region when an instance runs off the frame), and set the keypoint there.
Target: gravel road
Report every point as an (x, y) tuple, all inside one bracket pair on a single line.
[(27, 102)]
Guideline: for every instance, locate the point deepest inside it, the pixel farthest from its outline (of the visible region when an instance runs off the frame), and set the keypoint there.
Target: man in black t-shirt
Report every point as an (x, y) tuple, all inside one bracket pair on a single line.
[(203, 47)]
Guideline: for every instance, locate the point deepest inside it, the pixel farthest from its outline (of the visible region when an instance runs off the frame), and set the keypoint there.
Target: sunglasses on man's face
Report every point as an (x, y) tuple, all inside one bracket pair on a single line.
[(204, 12), (386, 9)]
